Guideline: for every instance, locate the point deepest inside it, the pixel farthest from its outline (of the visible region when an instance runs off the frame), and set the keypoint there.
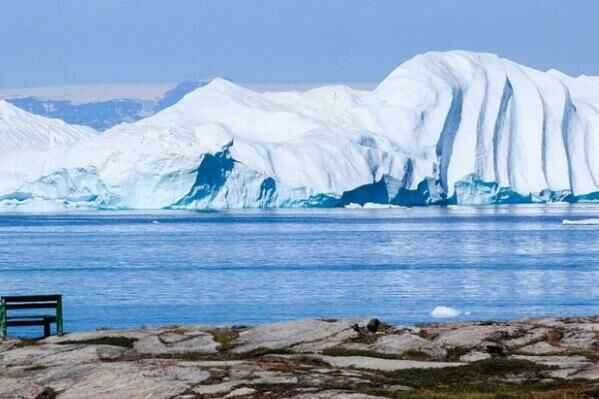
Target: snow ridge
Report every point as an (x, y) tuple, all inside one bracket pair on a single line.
[(453, 127), (21, 130)]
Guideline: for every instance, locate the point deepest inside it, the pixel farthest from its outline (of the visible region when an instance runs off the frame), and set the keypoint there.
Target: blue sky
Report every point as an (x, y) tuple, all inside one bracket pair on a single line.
[(279, 41)]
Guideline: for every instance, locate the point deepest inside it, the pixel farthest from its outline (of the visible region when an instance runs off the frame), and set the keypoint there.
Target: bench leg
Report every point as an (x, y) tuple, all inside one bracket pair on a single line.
[(3, 329), (59, 319), (47, 330)]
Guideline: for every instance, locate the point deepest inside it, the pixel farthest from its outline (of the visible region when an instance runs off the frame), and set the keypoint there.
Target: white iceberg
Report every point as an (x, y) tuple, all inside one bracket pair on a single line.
[(445, 312), (581, 221), (443, 128)]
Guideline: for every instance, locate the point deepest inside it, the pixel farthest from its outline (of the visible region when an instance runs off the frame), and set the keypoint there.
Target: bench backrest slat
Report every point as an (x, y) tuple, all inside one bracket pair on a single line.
[(38, 305), (31, 298)]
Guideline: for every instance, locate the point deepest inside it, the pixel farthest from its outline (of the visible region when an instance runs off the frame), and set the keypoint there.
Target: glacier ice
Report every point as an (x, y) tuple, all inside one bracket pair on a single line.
[(443, 128)]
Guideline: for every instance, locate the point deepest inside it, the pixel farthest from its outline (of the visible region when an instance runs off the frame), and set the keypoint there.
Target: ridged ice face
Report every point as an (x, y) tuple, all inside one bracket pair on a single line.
[(452, 127), (501, 121)]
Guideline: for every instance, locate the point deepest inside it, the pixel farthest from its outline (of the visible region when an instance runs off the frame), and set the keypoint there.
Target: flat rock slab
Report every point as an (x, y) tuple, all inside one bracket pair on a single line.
[(473, 336), (531, 336), (589, 373), (144, 381), (7, 344), (407, 342), (371, 363), (580, 339), (95, 335), (172, 343), (541, 348), (135, 380), (474, 356), (302, 333), (241, 392)]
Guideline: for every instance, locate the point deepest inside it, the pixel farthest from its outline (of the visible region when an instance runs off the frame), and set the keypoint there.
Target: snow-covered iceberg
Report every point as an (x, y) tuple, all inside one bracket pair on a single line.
[(443, 128)]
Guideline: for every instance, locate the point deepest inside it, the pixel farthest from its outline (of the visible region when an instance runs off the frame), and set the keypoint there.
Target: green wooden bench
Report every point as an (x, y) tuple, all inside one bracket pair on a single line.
[(31, 302)]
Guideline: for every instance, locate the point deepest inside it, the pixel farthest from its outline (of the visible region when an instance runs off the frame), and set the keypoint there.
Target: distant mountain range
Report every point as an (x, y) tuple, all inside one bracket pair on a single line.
[(102, 115)]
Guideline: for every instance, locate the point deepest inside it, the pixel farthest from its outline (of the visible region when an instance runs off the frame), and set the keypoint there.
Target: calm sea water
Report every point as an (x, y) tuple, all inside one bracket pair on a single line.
[(130, 269)]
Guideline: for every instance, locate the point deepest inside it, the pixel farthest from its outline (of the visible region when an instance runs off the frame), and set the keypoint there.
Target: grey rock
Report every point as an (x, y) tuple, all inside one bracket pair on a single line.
[(201, 342), (212, 389), (373, 325), (94, 335), (108, 352), (541, 348), (127, 380), (400, 344), (550, 322), (362, 362), (295, 333), (398, 388), (474, 356), (241, 392), (474, 336), (580, 339), (590, 373), (530, 337)]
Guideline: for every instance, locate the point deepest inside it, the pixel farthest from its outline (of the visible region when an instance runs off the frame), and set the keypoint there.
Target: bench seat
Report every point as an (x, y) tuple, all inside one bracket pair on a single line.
[(18, 321)]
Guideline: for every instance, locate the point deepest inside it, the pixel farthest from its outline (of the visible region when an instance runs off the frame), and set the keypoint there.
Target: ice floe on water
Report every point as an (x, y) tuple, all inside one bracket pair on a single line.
[(371, 205), (583, 222), (445, 312)]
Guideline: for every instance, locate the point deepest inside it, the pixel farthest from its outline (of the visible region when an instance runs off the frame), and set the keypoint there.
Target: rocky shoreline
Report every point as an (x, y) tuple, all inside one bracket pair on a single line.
[(312, 359)]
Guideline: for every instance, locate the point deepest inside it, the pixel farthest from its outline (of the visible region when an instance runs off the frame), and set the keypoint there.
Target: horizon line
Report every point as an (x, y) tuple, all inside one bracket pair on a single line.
[(92, 92)]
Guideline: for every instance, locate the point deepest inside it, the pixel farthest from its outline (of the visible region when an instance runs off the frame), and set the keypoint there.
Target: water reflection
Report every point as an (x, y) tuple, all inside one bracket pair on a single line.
[(121, 269)]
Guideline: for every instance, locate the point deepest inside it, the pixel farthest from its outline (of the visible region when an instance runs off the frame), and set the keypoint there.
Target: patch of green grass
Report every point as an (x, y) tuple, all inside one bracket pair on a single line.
[(26, 342), (554, 337), (558, 394), (36, 368), (480, 380), (124, 342), (225, 337), (416, 355), (463, 376), (408, 355), (454, 354), (426, 334), (47, 393)]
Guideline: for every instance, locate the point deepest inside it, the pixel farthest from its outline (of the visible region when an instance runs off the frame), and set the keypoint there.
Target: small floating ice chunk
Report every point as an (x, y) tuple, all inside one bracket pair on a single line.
[(353, 206), (155, 222), (370, 205), (373, 205), (445, 312), (581, 221)]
